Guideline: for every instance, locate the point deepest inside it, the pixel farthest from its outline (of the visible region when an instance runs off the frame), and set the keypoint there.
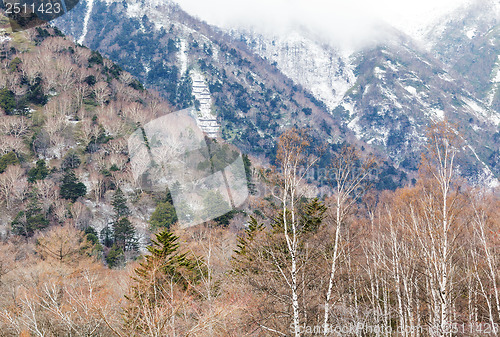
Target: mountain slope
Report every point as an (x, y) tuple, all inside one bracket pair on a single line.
[(168, 50), (66, 114), (468, 41), (387, 94), (323, 69), (400, 91), (383, 96)]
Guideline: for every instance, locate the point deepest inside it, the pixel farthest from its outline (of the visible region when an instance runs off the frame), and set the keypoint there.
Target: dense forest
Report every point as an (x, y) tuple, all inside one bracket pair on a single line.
[(86, 252)]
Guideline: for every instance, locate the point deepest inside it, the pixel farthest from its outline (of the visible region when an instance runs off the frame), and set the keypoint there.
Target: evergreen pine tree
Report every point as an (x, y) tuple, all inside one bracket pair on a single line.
[(164, 269), (248, 173), (164, 216), (71, 188), (27, 222), (254, 227), (115, 256), (163, 252), (7, 101), (124, 235), (91, 235), (39, 172), (106, 236), (120, 204), (71, 161), (312, 215), (8, 159)]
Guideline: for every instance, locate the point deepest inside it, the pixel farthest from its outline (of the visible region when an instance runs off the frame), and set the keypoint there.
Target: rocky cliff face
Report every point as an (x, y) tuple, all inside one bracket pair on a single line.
[(390, 92), (325, 70)]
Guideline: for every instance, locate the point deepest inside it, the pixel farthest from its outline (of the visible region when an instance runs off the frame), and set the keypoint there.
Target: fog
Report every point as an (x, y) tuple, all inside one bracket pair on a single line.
[(341, 21)]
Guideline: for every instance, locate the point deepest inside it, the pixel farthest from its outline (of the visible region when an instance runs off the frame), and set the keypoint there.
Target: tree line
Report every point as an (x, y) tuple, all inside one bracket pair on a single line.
[(420, 261)]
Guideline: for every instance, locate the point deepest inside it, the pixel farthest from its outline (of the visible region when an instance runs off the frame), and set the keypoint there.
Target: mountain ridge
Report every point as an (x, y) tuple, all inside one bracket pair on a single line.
[(358, 97)]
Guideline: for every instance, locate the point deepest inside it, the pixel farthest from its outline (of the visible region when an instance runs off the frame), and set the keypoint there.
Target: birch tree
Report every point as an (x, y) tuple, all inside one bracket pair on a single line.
[(12, 184), (294, 163), (435, 219), (486, 257), (349, 174)]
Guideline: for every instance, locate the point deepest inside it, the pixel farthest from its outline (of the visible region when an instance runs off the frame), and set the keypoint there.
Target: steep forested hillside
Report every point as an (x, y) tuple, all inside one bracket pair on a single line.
[(163, 46), (66, 115), (354, 98), (86, 251)]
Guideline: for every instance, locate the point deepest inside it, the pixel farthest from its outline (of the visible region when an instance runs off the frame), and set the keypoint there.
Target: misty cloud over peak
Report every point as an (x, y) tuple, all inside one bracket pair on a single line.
[(346, 24)]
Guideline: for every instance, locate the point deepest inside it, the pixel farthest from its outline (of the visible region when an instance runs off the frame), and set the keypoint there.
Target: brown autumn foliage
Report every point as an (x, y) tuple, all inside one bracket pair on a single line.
[(54, 286), (423, 256), (423, 259)]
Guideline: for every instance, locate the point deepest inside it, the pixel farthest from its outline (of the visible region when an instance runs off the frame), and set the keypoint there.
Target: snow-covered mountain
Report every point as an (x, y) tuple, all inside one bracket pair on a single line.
[(170, 51), (323, 69), (400, 91), (468, 41), (384, 94), (387, 93)]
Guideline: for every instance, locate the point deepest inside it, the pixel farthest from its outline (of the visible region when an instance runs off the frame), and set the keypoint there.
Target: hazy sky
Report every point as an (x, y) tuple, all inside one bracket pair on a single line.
[(337, 17)]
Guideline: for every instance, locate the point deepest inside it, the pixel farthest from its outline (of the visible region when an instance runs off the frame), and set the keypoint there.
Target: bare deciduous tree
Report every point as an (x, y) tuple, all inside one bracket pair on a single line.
[(349, 174), (14, 126), (12, 184), (101, 92), (294, 163)]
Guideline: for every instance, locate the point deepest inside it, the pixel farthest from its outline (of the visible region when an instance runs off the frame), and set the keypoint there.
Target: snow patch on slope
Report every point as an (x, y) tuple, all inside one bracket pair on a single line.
[(471, 33), (481, 113), (322, 69), (487, 178), (437, 114), (183, 58), (411, 90), (379, 73), (495, 82), (90, 6)]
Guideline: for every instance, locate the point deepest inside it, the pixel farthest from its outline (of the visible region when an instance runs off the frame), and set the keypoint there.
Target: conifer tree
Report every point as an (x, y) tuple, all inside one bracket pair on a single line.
[(312, 215), (39, 172), (71, 188), (91, 235), (164, 216), (120, 204), (159, 282), (115, 256), (254, 227), (106, 236), (8, 159), (164, 252), (71, 161), (124, 235), (27, 222), (248, 173)]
